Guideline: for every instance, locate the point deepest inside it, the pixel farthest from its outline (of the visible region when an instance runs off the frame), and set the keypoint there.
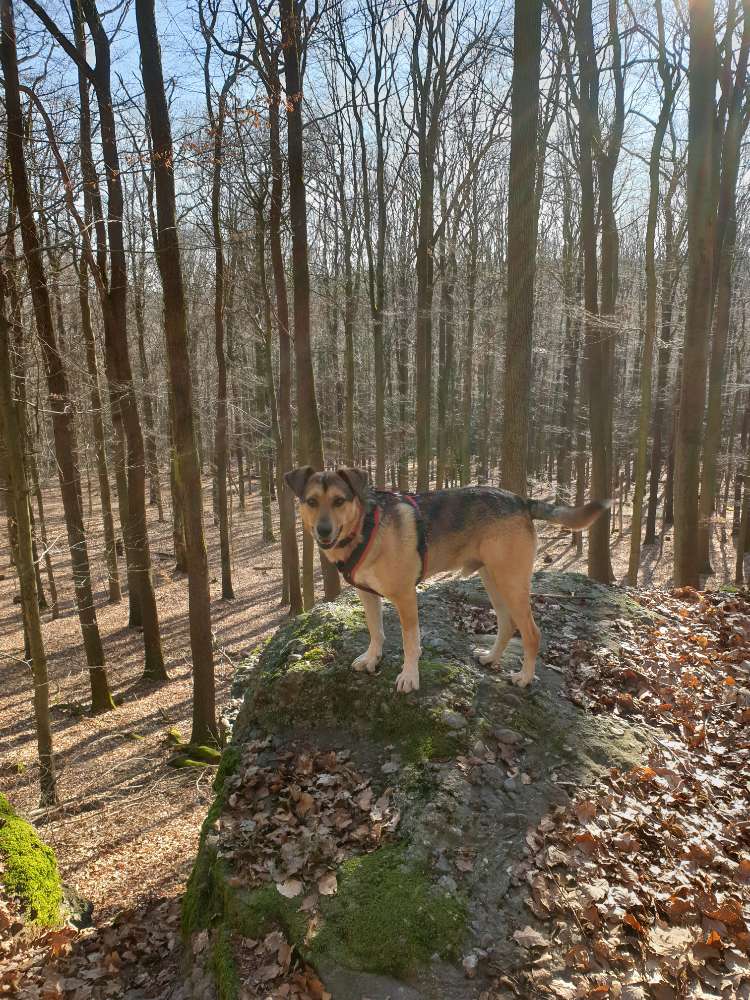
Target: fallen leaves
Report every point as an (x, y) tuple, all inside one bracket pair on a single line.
[(642, 885), (139, 952), (528, 937), (294, 815), (327, 884), (270, 968)]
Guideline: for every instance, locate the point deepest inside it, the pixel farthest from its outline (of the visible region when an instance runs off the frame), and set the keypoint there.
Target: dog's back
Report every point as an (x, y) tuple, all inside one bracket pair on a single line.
[(463, 523)]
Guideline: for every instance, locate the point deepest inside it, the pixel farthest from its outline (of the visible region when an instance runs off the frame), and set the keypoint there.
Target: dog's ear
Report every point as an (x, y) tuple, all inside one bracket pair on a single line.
[(296, 480), (356, 478)]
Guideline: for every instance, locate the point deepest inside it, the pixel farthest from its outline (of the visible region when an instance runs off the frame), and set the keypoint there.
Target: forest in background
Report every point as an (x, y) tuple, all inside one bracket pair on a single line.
[(448, 241)]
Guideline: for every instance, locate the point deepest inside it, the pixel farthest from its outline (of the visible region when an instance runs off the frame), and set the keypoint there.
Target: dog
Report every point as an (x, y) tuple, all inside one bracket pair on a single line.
[(385, 543)]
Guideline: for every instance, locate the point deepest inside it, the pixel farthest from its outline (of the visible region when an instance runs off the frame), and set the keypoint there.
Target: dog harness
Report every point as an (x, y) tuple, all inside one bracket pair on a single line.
[(381, 500)]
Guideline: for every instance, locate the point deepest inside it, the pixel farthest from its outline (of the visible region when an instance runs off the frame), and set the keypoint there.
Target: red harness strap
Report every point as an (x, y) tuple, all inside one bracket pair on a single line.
[(371, 520), (347, 567)]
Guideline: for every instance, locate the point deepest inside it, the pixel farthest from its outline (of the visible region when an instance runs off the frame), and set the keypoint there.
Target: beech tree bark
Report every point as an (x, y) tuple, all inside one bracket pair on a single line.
[(13, 432), (267, 63), (205, 727), (668, 77), (522, 238), (702, 80), (727, 158), (217, 121), (66, 446), (311, 441)]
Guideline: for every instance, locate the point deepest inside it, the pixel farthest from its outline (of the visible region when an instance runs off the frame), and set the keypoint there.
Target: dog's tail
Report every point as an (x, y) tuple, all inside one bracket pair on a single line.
[(574, 518)]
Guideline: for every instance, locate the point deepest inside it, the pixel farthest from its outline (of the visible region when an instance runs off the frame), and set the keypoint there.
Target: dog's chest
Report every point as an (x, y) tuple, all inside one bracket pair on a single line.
[(369, 578)]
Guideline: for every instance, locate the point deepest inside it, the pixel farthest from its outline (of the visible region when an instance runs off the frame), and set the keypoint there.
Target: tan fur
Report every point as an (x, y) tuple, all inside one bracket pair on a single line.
[(502, 549)]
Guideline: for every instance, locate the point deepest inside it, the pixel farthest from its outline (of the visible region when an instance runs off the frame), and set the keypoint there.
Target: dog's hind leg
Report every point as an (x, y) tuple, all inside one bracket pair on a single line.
[(505, 626), (517, 597), (369, 660), (510, 564)]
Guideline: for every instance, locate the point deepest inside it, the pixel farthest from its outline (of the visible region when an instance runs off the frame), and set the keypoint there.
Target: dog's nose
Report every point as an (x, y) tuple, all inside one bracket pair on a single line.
[(324, 529)]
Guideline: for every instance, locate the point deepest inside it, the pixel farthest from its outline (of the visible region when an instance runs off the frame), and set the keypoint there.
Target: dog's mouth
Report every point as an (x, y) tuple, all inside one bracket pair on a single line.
[(330, 543)]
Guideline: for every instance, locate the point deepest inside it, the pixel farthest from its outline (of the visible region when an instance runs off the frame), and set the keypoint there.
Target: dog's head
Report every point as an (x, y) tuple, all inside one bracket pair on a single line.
[(330, 502)]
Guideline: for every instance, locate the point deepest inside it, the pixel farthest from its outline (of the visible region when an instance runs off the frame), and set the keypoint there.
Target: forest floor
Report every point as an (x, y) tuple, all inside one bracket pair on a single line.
[(126, 828)]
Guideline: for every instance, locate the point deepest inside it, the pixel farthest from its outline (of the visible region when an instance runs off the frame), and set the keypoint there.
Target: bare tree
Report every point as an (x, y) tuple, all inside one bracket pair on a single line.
[(702, 82), (66, 445), (205, 726), (522, 228)]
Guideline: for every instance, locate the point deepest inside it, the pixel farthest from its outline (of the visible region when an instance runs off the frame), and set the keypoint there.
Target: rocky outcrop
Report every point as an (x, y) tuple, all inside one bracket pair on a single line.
[(377, 832)]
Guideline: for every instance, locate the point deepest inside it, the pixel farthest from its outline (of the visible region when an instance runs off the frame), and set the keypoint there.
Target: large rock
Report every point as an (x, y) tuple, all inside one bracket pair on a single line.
[(415, 808), (31, 894)]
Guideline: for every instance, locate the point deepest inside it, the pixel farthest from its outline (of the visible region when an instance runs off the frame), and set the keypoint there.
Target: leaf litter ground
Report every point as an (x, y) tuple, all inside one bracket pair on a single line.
[(641, 888)]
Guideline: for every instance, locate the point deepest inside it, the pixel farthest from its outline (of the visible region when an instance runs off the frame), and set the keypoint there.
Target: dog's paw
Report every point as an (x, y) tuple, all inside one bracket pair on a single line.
[(485, 656), (367, 662), (407, 680), (521, 678)]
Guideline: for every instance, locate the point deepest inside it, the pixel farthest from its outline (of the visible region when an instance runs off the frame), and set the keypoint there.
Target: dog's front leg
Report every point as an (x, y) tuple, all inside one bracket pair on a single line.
[(371, 657), (406, 605)]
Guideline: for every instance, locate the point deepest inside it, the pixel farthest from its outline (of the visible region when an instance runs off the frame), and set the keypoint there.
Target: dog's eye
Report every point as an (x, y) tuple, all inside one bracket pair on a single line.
[(339, 502), (312, 502)]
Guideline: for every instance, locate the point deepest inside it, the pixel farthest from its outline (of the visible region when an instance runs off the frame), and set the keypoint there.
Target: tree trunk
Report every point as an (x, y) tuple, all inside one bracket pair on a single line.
[(152, 460), (205, 727), (702, 79), (522, 238), (423, 348), (311, 441), (290, 551), (119, 370), (647, 358), (221, 450), (728, 158), (12, 421), (66, 447), (100, 448)]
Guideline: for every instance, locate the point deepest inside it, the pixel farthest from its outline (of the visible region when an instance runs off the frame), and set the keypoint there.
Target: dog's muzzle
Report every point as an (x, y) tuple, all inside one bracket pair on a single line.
[(327, 543)]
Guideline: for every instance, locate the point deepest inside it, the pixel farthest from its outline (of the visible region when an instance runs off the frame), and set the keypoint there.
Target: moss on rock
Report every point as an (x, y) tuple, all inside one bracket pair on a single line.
[(254, 912), (200, 900), (28, 869), (303, 679), (224, 967), (173, 737), (387, 917)]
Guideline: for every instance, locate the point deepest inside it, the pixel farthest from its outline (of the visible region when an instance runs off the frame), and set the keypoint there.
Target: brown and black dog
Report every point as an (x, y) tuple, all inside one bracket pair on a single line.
[(385, 543)]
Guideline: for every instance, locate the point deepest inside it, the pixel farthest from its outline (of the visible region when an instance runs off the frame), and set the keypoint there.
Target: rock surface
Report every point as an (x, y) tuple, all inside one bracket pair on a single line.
[(434, 793)]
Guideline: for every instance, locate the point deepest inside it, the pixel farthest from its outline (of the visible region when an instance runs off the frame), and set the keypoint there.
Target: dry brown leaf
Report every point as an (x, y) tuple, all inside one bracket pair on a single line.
[(528, 937), (327, 884), (290, 888)]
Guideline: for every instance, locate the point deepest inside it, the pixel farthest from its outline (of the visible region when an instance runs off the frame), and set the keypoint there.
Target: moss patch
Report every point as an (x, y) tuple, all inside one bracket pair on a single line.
[(387, 917), (193, 755), (197, 908), (224, 967), (30, 869), (314, 636), (199, 904), (533, 718), (303, 679), (253, 913)]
